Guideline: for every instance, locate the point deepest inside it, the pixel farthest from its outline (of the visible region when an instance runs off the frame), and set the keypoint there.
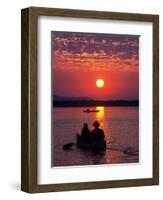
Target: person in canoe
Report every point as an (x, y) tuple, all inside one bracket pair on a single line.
[(85, 133), (97, 133)]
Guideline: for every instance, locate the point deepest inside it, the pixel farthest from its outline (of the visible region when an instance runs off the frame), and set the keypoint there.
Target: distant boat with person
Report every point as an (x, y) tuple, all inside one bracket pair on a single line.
[(88, 111)]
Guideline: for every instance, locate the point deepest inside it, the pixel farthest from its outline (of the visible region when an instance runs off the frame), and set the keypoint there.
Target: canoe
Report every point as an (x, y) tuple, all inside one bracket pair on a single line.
[(88, 111), (90, 145)]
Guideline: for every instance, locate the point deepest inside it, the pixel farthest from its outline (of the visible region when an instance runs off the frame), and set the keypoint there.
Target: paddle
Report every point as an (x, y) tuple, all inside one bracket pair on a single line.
[(68, 146)]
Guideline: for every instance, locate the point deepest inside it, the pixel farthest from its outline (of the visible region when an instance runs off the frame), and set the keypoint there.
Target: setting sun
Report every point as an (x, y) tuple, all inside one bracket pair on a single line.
[(100, 83)]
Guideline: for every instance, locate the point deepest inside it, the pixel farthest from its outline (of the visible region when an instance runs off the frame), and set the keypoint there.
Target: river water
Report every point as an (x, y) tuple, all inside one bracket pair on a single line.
[(121, 127)]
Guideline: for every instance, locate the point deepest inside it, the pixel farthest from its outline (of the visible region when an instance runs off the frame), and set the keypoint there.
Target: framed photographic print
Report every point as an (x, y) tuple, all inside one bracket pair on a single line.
[(90, 99)]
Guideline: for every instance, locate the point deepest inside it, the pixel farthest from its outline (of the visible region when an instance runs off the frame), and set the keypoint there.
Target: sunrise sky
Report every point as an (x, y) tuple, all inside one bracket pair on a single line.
[(80, 59)]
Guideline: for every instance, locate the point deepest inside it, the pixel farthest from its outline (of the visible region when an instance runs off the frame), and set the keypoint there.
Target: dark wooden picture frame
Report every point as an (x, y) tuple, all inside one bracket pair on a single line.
[(29, 136)]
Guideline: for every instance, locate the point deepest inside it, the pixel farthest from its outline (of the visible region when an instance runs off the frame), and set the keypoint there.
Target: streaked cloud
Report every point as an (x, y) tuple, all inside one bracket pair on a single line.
[(95, 52)]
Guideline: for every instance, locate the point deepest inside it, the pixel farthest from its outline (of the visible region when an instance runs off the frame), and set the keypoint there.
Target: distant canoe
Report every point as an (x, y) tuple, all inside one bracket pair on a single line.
[(88, 111), (93, 146)]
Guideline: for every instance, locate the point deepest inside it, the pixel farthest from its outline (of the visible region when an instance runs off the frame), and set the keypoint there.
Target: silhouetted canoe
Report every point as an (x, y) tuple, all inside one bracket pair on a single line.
[(88, 111), (89, 145)]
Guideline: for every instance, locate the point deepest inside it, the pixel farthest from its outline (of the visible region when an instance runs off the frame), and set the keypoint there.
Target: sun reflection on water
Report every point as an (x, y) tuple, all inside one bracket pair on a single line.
[(100, 114), (101, 117)]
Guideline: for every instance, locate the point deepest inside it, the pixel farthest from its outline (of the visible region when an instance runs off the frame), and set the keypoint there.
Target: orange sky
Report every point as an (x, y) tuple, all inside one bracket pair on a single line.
[(79, 59)]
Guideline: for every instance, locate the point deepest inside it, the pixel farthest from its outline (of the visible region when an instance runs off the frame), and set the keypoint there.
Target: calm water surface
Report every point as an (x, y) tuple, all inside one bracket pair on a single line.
[(121, 127)]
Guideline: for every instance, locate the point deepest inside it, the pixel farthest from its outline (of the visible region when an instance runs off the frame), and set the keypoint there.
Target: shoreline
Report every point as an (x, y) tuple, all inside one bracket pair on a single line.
[(117, 103)]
